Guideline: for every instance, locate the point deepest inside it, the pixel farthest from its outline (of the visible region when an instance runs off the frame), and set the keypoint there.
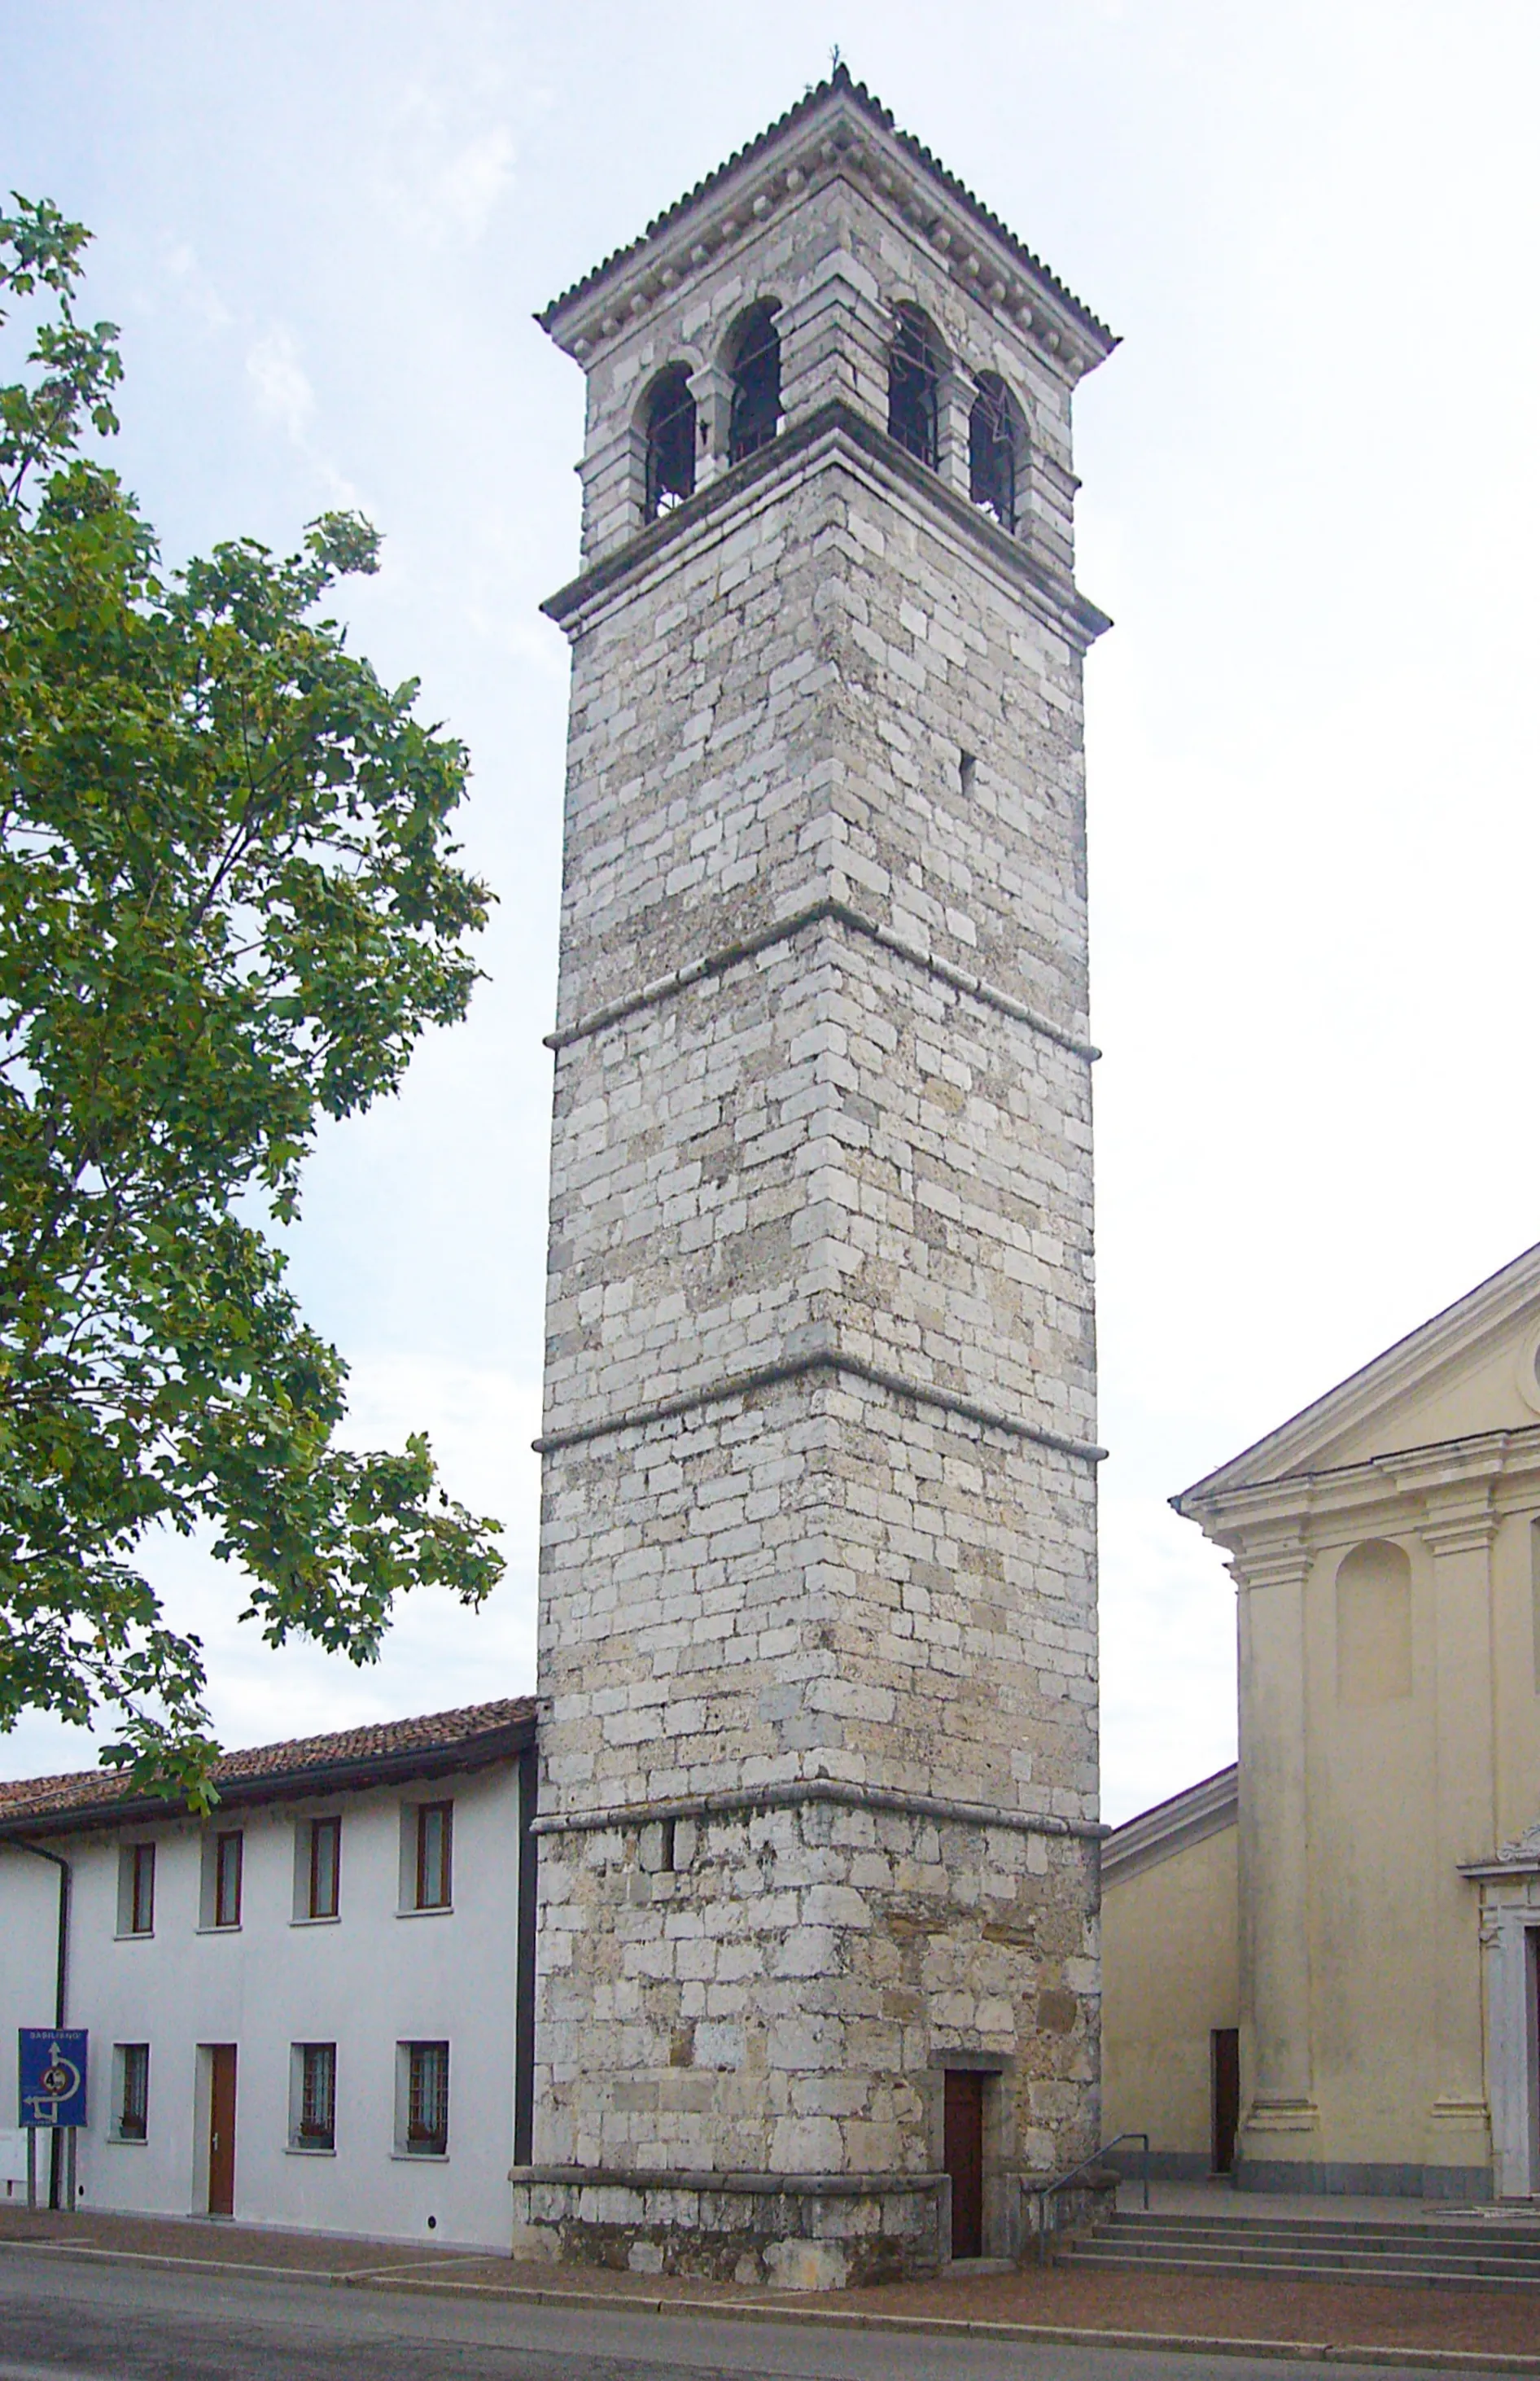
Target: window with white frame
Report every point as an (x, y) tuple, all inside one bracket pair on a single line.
[(317, 1868), (220, 1895), (130, 2091), (423, 2099), (136, 1889), (427, 1856), (312, 2096)]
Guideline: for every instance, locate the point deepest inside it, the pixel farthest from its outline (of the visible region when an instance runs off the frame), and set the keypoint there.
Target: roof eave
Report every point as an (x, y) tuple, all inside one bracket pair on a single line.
[(573, 323), (355, 1775)]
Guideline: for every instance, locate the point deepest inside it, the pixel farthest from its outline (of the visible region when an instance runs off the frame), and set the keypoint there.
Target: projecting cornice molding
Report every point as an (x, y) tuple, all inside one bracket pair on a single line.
[(835, 431), (839, 129), (1188, 1818), (1461, 1489), (1521, 1858)]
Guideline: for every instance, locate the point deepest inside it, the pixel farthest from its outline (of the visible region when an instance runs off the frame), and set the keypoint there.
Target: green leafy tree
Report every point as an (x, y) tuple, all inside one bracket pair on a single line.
[(228, 907)]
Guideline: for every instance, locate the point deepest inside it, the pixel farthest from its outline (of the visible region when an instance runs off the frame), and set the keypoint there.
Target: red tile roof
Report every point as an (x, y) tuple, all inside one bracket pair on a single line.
[(435, 1742), (871, 107)]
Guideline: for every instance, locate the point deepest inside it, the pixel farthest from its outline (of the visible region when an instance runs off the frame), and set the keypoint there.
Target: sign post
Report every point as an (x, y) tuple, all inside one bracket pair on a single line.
[(51, 2072)]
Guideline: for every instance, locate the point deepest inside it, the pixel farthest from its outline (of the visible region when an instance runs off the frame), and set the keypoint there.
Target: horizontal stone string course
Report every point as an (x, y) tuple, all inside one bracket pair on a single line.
[(822, 1360), (792, 1794), (666, 2178), (817, 913)]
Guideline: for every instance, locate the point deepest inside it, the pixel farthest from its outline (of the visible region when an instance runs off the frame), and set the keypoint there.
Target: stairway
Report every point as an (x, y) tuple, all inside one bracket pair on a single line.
[(1488, 2251)]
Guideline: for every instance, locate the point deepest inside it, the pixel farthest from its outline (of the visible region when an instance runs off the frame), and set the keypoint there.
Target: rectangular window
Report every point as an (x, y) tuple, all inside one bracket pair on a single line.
[(325, 1868), (136, 1890), (313, 2122), (425, 2132), (227, 1878), (434, 1834), (132, 2091)]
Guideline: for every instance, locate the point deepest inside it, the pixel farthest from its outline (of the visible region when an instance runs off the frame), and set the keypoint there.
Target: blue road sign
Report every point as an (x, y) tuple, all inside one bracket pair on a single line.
[(51, 2063)]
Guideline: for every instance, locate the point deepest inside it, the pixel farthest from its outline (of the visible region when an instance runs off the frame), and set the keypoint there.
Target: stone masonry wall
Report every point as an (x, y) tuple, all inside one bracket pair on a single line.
[(817, 1648), (819, 1579), (786, 1998)]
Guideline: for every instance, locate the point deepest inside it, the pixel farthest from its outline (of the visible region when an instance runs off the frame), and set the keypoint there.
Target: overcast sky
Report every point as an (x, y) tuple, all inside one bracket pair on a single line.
[(1309, 503)]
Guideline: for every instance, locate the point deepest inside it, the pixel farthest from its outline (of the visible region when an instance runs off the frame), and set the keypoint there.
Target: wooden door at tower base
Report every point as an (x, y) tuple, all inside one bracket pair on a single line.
[(222, 2128), (963, 2158)]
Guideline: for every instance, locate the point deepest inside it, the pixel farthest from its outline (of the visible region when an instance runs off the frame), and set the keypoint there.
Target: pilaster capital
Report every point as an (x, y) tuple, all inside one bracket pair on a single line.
[(1279, 1564), (1459, 1530)]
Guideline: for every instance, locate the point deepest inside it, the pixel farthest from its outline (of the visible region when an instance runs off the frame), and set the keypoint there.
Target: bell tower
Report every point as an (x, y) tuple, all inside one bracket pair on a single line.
[(817, 1969)]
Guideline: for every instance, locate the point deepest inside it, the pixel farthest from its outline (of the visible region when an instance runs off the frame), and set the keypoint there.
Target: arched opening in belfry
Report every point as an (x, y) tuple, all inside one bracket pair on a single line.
[(992, 443), (756, 383), (915, 362), (670, 419)]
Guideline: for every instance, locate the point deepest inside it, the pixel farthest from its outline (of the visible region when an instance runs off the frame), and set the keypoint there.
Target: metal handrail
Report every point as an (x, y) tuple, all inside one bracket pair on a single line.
[(1044, 2191)]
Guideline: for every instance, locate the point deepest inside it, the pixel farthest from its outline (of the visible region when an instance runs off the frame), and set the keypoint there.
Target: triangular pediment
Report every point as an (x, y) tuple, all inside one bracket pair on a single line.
[(1468, 1372)]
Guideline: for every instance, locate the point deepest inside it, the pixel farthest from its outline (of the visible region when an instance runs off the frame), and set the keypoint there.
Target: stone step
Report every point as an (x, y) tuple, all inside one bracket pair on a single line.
[(1418, 2227), (1341, 2261), (1441, 2244), (1299, 2269)]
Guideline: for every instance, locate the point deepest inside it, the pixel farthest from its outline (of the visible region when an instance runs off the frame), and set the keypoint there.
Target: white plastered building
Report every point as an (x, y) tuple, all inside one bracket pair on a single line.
[(305, 2010)]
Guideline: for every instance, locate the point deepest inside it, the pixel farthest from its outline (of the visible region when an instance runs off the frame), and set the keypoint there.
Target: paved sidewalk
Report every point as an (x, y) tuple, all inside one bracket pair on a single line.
[(1135, 2306)]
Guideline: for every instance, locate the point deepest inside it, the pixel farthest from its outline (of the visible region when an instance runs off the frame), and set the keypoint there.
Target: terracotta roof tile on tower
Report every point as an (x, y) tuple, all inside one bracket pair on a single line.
[(390, 1747), (870, 105)]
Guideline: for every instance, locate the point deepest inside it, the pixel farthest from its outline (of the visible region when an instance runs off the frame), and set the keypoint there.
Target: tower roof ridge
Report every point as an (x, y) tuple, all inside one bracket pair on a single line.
[(839, 82)]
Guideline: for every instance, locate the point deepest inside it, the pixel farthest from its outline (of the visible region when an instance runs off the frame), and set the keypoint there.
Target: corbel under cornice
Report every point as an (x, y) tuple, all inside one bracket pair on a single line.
[(839, 137)]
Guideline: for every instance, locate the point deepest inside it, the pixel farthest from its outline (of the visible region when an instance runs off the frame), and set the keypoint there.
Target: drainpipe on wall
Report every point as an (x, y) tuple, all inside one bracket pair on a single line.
[(61, 1990)]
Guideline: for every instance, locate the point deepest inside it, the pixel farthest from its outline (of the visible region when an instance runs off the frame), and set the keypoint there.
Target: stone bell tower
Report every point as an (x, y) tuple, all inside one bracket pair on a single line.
[(817, 1955)]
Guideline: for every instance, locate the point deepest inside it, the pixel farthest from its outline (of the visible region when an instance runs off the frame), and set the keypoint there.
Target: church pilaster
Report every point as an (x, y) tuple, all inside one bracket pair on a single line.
[(1278, 2105)]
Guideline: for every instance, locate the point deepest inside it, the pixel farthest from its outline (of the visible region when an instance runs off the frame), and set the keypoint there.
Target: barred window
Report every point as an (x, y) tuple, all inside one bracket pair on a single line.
[(427, 2111), (315, 2114), (131, 2116)]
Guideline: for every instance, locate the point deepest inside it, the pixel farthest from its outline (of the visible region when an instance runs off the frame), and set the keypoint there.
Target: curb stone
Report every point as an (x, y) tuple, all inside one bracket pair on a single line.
[(1292, 2351)]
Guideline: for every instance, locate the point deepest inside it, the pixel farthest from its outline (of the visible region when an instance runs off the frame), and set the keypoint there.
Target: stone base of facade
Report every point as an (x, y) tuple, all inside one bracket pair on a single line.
[(792, 2232), (1333, 2177)]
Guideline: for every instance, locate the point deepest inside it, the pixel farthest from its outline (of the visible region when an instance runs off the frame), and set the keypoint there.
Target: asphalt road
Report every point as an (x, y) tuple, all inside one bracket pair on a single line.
[(64, 2320)]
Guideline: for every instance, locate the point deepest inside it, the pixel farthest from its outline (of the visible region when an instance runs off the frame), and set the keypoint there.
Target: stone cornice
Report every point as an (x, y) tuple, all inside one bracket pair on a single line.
[(1057, 601), (830, 911), (1504, 1465), (1201, 1810), (793, 1793), (728, 2181), (839, 130), (799, 1367)]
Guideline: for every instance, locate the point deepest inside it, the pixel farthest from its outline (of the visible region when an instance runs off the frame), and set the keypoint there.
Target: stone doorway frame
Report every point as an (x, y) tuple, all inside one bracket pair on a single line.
[(1511, 1958)]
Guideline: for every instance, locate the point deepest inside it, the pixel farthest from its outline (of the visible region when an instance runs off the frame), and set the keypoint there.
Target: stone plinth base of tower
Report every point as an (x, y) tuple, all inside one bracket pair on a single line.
[(792, 2232), (762, 2013)]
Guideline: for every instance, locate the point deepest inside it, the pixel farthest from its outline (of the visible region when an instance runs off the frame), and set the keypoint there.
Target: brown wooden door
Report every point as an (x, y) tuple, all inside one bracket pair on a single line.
[(1227, 2096), (222, 2128), (963, 2160)]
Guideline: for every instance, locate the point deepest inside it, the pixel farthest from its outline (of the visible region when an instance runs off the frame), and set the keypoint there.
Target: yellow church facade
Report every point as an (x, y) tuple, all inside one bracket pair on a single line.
[(1358, 1908)]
